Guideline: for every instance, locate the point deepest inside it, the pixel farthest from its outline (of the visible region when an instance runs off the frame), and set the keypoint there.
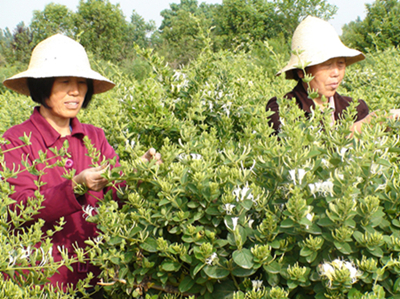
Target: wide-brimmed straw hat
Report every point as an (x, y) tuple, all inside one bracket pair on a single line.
[(317, 41), (58, 56)]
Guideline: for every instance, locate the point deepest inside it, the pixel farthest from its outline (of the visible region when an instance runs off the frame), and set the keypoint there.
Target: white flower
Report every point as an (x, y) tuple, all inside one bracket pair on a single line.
[(257, 284), (211, 259), (242, 193), (328, 187), (12, 259), (375, 168), (60, 249), (251, 221), (312, 188), (325, 163), (88, 211), (228, 208), (235, 222), (196, 156), (309, 217), (323, 188), (327, 270), (293, 175), (26, 252), (301, 174), (353, 271)]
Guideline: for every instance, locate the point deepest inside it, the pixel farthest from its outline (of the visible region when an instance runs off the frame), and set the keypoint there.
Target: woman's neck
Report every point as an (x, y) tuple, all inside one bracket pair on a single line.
[(61, 125)]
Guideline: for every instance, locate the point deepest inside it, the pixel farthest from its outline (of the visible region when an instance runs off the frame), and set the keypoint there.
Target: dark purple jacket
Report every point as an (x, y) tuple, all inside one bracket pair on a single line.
[(60, 200), (305, 103)]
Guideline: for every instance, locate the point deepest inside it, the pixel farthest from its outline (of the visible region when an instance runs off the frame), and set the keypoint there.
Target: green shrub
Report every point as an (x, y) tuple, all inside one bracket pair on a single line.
[(234, 211)]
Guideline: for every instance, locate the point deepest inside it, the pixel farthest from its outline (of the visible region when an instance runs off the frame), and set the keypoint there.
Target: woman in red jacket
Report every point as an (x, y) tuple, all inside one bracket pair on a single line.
[(61, 81)]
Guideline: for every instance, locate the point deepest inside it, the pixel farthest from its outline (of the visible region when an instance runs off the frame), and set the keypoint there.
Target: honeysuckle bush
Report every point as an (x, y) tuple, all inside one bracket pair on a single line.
[(235, 211), (26, 260)]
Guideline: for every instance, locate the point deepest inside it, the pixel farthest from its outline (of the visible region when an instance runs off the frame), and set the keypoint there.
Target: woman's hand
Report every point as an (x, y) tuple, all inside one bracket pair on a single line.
[(91, 178), (394, 114), (152, 154)]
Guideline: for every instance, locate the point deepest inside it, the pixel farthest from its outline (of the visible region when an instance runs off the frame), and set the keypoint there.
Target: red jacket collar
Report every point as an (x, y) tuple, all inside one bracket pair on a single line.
[(48, 133)]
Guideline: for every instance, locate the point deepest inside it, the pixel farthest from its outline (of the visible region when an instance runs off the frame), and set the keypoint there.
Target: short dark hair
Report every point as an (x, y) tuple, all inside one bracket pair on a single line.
[(40, 90), (296, 75)]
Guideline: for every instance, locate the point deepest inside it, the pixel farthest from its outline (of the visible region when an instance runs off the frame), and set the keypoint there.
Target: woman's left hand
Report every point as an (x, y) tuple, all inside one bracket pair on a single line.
[(394, 114), (152, 154), (92, 178)]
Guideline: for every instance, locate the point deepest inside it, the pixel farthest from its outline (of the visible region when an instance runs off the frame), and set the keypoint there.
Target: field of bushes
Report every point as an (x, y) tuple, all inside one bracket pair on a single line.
[(234, 211)]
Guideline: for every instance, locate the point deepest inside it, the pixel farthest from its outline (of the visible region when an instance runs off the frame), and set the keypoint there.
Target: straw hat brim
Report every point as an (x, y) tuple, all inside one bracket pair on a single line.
[(19, 84)]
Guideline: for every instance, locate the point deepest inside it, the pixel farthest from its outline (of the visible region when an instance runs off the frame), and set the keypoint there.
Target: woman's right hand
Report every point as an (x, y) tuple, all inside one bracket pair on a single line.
[(91, 178)]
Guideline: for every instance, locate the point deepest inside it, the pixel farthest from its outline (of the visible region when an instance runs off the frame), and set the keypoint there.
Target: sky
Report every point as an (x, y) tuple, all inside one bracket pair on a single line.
[(13, 12)]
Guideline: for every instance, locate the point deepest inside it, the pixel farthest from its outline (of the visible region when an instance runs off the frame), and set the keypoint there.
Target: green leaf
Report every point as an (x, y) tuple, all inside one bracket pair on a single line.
[(240, 272), (325, 221), (273, 279), (213, 211), (287, 223), (186, 284), (273, 268), (313, 153), (246, 204), (150, 245), (244, 258), (343, 247), (377, 251), (216, 272), (115, 240), (198, 268), (224, 289), (170, 266)]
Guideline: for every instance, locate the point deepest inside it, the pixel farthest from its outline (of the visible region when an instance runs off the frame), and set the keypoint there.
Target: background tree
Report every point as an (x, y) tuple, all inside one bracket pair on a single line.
[(243, 22), (101, 28), (55, 18), (21, 44), (139, 31), (380, 28), (180, 29)]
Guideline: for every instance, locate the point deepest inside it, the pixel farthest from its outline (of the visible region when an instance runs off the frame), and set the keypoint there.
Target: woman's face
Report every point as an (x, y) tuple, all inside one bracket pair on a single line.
[(327, 76), (66, 98)]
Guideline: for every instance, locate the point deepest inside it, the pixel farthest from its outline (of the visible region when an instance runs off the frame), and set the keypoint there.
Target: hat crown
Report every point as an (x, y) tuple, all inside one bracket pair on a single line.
[(59, 51), (314, 39)]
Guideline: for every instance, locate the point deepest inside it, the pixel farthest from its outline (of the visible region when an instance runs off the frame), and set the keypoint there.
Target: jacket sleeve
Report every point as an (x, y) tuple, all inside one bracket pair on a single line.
[(274, 118), (109, 153), (362, 110), (59, 200)]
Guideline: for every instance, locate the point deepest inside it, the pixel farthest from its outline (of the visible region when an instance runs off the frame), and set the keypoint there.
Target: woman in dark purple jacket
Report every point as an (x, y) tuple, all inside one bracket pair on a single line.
[(317, 48)]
